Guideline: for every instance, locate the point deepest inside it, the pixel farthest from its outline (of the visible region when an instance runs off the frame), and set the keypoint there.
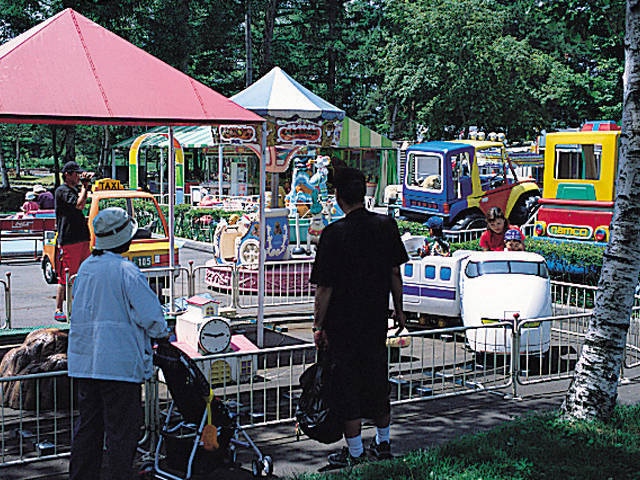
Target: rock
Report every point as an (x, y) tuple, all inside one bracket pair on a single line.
[(43, 350)]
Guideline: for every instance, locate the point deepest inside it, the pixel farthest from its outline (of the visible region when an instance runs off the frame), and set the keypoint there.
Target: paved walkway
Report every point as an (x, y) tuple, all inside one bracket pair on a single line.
[(415, 426)]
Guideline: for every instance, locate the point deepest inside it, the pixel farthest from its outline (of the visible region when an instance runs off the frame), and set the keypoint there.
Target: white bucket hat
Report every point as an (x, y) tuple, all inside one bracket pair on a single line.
[(39, 189), (113, 227)]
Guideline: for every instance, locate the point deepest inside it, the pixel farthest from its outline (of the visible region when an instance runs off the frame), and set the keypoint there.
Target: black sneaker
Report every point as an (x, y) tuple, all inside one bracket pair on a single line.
[(344, 459), (382, 451)]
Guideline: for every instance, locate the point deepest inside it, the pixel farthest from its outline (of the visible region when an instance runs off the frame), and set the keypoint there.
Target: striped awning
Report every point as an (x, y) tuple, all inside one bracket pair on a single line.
[(189, 137), (356, 135)]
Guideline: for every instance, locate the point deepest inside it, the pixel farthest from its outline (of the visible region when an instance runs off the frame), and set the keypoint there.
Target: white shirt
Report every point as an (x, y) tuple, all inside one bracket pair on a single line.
[(114, 315)]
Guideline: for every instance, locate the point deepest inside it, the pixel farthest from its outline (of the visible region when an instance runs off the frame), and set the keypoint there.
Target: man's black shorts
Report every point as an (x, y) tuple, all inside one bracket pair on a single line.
[(360, 386)]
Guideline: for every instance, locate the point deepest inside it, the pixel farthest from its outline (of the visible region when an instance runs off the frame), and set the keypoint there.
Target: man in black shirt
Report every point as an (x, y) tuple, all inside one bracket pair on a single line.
[(356, 266), (73, 231)]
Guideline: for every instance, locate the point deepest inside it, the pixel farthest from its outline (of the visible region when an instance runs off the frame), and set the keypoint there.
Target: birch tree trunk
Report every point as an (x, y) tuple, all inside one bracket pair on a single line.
[(593, 392)]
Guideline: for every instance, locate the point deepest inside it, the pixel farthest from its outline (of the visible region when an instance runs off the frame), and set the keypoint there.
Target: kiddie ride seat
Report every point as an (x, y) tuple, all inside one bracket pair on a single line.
[(199, 433)]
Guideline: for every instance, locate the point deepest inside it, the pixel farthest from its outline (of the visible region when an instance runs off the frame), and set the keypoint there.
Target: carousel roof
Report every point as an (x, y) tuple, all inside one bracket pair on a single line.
[(280, 96)]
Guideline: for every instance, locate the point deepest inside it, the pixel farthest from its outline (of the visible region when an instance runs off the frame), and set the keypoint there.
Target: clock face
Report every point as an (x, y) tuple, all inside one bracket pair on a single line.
[(215, 336)]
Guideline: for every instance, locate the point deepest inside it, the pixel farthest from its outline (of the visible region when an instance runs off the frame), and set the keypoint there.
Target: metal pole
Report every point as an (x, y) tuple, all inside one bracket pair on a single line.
[(172, 220), (263, 233), (113, 164), (161, 176), (220, 162)]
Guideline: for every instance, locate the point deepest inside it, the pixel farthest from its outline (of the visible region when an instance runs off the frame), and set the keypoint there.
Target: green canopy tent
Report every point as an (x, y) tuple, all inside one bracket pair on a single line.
[(372, 153), (359, 147)]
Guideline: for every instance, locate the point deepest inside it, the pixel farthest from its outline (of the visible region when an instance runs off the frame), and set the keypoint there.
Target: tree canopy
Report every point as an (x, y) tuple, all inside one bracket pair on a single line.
[(398, 66)]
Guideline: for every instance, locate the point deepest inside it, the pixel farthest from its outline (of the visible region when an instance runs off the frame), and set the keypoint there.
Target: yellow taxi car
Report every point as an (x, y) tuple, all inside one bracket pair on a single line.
[(150, 246)]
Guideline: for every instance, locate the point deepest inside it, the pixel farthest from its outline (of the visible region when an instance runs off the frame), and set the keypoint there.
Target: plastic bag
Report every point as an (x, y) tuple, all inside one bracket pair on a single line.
[(313, 414)]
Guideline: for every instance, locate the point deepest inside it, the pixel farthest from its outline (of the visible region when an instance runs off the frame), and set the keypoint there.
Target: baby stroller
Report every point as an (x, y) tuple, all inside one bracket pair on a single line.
[(193, 407)]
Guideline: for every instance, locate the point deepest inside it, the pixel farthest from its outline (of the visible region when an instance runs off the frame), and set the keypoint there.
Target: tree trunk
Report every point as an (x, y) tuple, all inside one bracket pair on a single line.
[(69, 143), (332, 12), (18, 172), (593, 392), (56, 155), (3, 169), (269, 22), (106, 147), (248, 44)]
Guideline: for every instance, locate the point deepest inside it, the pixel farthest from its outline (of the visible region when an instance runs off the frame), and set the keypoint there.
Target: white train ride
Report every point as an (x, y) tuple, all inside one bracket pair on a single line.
[(476, 289)]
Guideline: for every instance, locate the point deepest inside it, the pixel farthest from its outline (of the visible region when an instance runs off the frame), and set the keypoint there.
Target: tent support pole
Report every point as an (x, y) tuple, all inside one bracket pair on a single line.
[(263, 234), (172, 221), (220, 164)]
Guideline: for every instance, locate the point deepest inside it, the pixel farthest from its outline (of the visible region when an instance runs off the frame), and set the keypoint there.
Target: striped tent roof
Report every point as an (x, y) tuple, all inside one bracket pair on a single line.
[(356, 135), (189, 137)]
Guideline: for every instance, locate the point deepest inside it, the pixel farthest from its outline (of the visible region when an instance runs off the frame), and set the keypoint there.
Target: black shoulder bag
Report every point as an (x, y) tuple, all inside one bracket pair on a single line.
[(313, 414)]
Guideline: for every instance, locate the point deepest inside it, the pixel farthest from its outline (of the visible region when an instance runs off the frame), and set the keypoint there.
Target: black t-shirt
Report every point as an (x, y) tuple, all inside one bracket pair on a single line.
[(71, 222), (355, 257)]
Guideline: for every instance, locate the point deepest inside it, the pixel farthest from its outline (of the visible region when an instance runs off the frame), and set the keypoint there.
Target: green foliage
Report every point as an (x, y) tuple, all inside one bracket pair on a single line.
[(538, 446), (506, 65)]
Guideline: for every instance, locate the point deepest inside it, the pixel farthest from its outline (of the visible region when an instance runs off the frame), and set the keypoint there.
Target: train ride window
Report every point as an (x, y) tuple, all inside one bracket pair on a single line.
[(578, 162), (430, 271), (445, 274), (476, 269), (426, 171), (408, 269)]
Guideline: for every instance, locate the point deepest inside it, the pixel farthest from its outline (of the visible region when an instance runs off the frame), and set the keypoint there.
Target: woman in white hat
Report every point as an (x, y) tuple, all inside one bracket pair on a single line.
[(115, 315), (30, 205)]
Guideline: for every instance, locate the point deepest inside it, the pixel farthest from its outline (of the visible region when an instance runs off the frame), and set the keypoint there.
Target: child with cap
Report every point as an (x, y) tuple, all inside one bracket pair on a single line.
[(514, 240), (436, 244)]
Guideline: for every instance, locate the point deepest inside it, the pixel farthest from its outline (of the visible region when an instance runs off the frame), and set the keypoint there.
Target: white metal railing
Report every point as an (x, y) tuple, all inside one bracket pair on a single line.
[(262, 386), (286, 284)]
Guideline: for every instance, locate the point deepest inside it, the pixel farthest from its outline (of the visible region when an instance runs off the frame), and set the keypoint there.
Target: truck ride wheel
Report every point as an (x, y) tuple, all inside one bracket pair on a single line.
[(523, 209), (470, 222), (49, 272)]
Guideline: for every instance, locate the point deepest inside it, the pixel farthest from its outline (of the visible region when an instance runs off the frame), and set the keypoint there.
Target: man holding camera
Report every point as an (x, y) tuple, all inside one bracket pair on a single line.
[(73, 231)]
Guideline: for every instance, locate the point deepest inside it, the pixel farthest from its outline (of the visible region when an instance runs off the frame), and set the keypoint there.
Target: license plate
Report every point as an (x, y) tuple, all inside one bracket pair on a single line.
[(142, 262)]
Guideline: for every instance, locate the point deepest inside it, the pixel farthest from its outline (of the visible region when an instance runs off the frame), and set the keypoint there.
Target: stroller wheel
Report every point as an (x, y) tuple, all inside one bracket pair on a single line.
[(256, 467), (267, 465)]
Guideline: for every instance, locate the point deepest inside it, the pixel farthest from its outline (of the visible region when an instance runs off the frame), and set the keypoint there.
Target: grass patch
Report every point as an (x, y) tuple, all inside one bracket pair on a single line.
[(537, 446)]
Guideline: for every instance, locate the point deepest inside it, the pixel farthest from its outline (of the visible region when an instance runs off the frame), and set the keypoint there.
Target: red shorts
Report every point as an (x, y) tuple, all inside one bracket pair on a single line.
[(70, 257)]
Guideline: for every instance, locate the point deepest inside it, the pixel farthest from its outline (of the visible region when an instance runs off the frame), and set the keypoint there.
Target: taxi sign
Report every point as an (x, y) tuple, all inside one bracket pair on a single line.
[(108, 184)]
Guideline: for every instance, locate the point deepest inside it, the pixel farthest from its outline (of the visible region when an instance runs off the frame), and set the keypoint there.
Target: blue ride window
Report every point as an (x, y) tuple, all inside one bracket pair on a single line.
[(445, 274), (430, 271), (408, 269)]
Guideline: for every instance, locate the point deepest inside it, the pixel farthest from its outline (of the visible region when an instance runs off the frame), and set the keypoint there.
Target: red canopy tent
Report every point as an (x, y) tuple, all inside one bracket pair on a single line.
[(70, 70)]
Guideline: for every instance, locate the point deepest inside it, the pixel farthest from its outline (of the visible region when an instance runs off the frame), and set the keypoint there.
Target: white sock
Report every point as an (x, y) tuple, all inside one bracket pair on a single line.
[(355, 446), (383, 434)]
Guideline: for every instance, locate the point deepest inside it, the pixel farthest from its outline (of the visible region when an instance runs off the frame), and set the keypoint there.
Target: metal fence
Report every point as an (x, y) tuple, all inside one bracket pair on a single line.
[(261, 387), (5, 306)]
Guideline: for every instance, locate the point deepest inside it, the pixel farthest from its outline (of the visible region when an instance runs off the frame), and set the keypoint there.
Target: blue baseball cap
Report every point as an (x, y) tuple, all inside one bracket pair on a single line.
[(513, 234), (433, 222)]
